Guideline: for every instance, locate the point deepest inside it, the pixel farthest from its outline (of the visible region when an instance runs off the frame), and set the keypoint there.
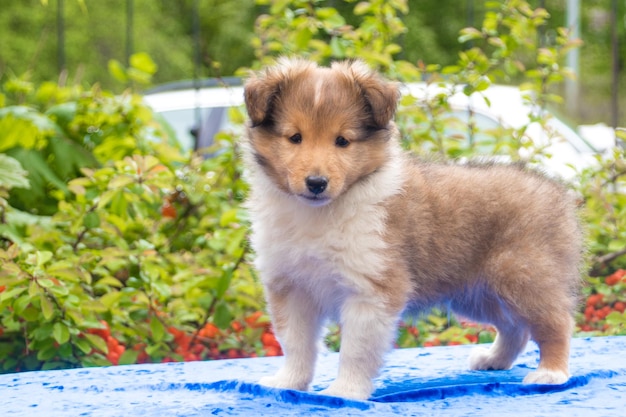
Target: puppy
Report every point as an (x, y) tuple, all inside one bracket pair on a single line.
[(347, 227)]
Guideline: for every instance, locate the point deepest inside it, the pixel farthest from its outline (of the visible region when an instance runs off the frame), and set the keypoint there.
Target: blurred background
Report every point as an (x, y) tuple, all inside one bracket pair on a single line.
[(76, 39)]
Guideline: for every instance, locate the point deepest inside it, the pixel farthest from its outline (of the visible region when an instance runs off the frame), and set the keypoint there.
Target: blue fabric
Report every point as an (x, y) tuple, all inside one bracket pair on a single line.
[(414, 382)]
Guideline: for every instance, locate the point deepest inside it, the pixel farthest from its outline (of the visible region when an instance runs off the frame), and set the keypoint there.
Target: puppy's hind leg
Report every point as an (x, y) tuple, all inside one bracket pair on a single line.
[(510, 342), (552, 334)]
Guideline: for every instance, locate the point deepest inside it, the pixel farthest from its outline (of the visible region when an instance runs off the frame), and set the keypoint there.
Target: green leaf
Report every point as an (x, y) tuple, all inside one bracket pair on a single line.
[(43, 257), (362, 8), (615, 318), (129, 357), (60, 333), (157, 329), (224, 283), (110, 281), (12, 175), (42, 180), (83, 345), (121, 181), (47, 353), (97, 342), (228, 217), (143, 62), (222, 317), (12, 293), (21, 126), (116, 69), (111, 298), (469, 34), (91, 220), (153, 349), (46, 307), (338, 50)]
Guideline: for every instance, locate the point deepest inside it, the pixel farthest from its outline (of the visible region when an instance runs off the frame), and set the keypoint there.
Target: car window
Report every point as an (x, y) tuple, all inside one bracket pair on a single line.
[(201, 122), (484, 134)]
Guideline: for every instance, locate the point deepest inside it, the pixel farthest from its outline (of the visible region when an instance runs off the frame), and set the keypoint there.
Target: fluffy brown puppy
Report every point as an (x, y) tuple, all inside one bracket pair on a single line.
[(347, 227)]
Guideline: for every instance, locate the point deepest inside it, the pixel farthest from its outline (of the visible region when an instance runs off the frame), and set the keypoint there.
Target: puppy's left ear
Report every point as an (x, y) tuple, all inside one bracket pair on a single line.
[(382, 95), (259, 91)]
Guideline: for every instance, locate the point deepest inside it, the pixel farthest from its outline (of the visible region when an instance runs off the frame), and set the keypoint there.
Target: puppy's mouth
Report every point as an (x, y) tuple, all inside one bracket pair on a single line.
[(317, 200)]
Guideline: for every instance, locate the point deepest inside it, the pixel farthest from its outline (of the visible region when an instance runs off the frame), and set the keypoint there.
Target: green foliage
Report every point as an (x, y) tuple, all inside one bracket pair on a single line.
[(113, 252), (164, 30), (140, 72), (55, 131), (605, 306), (321, 33), (143, 241), (603, 190)]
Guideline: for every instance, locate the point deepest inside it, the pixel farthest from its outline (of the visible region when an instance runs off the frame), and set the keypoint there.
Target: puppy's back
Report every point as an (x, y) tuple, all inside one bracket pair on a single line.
[(497, 225)]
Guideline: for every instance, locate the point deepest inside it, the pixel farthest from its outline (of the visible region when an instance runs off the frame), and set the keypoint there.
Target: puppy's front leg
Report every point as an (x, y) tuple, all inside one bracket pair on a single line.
[(368, 329), (297, 323)]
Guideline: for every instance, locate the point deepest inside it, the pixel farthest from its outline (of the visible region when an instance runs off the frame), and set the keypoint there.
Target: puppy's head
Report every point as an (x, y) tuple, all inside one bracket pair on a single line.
[(316, 131)]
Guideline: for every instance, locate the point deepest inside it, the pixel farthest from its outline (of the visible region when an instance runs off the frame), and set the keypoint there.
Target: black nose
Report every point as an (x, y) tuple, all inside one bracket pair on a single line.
[(316, 184)]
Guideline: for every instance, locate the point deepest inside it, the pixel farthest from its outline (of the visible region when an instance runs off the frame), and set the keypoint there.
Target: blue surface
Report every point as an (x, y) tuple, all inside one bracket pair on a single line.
[(414, 382)]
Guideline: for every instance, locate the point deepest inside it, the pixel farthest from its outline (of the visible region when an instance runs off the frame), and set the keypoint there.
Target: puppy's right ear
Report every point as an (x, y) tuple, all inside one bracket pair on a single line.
[(259, 93)]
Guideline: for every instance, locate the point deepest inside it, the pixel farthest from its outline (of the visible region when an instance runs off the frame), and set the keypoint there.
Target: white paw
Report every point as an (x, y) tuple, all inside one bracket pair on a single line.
[(349, 390), (546, 376), (482, 359), (278, 381)]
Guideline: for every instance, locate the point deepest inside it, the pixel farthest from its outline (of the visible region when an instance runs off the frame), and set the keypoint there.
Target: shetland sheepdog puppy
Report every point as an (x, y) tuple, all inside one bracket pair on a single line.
[(347, 227)]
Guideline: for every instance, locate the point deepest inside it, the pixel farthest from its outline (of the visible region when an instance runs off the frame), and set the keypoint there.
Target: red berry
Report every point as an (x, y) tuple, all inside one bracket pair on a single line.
[(253, 320), (268, 339), (209, 331), (472, 338), (273, 351), (619, 306), (168, 210), (595, 300), (233, 354)]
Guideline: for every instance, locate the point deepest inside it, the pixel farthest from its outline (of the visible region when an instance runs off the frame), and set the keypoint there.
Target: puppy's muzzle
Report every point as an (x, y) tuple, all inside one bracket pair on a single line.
[(316, 184)]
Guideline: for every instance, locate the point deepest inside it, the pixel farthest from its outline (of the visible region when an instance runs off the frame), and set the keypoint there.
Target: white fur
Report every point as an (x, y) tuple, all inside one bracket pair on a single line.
[(325, 248), (334, 254)]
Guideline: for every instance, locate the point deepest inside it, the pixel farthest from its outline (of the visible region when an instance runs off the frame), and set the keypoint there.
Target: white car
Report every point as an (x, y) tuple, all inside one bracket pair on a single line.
[(197, 114), (505, 108)]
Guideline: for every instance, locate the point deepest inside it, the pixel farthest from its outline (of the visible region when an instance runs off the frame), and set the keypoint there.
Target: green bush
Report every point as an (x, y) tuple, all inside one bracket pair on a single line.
[(142, 242)]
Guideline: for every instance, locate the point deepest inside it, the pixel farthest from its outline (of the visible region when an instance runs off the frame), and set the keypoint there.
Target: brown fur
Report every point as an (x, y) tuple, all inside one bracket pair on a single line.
[(496, 243)]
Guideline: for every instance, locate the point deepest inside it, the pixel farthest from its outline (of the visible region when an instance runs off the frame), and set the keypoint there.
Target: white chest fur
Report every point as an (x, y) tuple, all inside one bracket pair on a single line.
[(330, 249)]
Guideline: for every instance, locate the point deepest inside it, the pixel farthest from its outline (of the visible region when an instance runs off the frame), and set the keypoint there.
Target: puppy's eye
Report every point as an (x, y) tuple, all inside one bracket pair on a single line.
[(341, 142), (296, 139)]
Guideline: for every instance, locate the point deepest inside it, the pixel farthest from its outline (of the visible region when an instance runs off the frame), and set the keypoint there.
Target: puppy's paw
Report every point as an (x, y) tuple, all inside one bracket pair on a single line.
[(546, 376), (351, 390), (482, 359), (280, 381)]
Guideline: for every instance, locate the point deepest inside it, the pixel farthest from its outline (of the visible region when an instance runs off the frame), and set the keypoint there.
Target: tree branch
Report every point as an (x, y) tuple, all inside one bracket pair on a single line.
[(599, 260)]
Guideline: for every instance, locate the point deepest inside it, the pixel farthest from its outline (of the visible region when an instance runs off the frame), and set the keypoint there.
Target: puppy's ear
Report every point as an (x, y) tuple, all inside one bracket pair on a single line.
[(381, 95), (262, 89), (259, 91)]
